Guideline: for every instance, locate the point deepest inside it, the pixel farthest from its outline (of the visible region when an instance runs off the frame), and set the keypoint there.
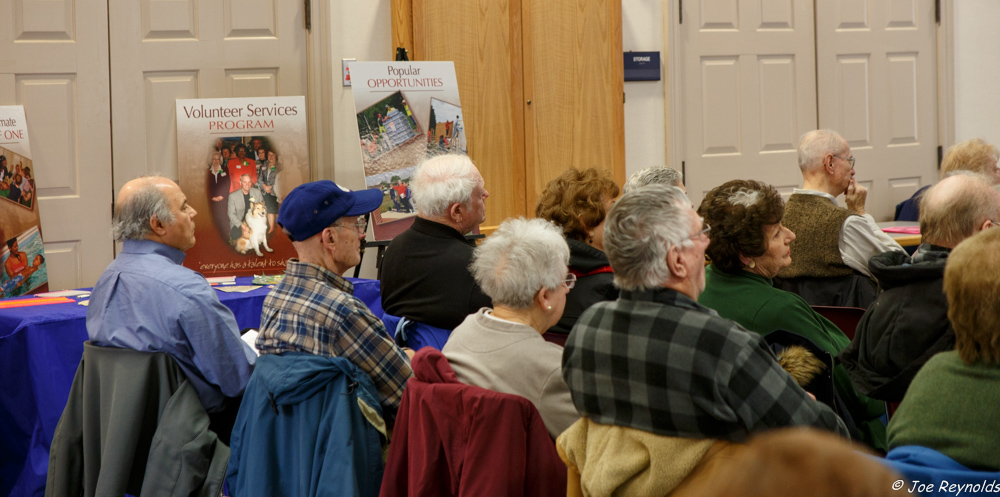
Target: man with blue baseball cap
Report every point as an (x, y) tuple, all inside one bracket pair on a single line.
[(313, 308)]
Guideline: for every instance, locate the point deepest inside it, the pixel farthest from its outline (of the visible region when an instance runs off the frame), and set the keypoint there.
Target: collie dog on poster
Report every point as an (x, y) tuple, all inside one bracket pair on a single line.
[(256, 224)]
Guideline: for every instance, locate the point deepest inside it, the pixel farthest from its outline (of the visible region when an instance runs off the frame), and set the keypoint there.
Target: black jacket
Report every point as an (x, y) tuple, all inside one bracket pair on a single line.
[(593, 284), (904, 327), (425, 276)]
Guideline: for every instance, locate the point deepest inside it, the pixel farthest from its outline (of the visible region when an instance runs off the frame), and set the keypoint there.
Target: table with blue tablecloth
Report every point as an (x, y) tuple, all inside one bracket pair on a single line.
[(40, 349)]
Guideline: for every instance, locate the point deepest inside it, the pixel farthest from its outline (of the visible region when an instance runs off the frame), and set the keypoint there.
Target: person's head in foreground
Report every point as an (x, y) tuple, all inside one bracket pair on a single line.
[(826, 161), (448, 189), (578, 202), (154, 208), (958, 207), (654, 238), (972, 155), (326, 223), (795, 462), (522, 268), (656, 175), (747, 235), (972, 285)]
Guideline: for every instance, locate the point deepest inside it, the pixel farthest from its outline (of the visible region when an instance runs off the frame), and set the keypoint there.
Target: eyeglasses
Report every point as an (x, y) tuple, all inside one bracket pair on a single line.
[(850, 160), (570, 280), (361, 226), (705, 228)]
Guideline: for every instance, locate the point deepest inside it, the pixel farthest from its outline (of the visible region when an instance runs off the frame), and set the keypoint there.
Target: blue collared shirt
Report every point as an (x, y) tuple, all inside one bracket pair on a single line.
[(147, 301)]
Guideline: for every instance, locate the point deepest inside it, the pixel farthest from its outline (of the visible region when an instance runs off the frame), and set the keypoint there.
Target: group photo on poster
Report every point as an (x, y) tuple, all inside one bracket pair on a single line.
[(402, 121), (239, 179), (22, 253)]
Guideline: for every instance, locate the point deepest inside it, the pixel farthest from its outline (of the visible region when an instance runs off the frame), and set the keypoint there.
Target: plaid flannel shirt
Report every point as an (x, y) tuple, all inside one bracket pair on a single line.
[(313, 310), (659, 362)]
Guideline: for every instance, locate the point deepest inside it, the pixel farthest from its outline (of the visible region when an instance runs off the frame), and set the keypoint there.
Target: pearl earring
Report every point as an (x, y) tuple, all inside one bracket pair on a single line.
[(549, 308), (752, 264)]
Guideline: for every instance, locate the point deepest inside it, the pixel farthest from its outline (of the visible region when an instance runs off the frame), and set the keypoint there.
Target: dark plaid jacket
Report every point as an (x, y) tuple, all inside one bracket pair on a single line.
[(658, 361)]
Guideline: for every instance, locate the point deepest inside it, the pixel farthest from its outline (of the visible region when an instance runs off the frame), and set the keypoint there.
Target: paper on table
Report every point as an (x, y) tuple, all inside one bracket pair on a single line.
[(908, 230), (8, 304), (64, 293), (237, 288), (250, 338)]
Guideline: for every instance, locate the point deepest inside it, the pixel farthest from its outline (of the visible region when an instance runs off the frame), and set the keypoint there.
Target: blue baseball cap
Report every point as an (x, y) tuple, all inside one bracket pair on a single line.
[(312, 207)]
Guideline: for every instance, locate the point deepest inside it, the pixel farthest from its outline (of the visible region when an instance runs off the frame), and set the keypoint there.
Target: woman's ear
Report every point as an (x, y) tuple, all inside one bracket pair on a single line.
[(744, 260), (544, 298)]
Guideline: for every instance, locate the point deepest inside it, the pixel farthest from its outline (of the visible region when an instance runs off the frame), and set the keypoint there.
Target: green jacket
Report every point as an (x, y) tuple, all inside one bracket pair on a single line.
[(951, 407), (753, 302)]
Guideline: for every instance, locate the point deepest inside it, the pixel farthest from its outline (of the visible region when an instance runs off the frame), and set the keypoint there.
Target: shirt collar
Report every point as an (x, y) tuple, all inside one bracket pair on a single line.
[(308, 270), (151, 247), (817, 193), (666, 296), (440, 230)]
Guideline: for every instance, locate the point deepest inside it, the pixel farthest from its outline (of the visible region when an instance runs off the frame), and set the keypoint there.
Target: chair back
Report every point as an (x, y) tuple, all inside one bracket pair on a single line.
[(846, 318), (128, 411), (409, 333), (853, 290)]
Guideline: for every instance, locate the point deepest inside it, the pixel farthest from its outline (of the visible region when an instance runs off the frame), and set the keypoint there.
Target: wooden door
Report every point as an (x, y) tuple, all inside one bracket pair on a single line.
[(482, 37), (877, 70), (749, 90), (163, 50), (541, 86), (53, 61)]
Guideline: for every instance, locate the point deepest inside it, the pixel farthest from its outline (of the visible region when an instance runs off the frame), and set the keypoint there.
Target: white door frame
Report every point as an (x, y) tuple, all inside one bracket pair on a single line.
[(673, 132)]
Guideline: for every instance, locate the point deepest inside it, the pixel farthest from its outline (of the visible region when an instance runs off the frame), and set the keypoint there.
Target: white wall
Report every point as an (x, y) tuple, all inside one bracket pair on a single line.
[(977, 98), (642, 31)]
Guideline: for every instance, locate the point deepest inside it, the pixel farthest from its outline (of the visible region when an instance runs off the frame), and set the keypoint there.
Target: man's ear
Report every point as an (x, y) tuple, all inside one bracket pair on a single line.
[(158, 227), (456, 212), (675, 261)]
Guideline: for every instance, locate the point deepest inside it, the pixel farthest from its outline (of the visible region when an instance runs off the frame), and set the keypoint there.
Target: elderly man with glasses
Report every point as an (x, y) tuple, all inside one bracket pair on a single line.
[(313, 309), (832, 241), (657, 361)]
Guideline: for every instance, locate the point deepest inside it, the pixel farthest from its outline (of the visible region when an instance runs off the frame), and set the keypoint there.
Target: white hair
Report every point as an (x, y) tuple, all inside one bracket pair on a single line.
[(640, 229), (655, 175), (814, 145), (745, 197), (520, 258), (442, 181), (131, 216)]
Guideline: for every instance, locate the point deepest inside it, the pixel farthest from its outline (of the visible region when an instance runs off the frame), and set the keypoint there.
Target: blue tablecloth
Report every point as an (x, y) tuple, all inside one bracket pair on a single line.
[(40, 349)]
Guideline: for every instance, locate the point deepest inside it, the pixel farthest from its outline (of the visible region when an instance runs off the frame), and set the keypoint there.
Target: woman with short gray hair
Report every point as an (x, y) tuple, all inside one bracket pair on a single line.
[(522, 267)]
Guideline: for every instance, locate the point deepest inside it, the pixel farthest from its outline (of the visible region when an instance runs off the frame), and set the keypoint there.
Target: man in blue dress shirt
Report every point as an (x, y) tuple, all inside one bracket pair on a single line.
[(147, 301)]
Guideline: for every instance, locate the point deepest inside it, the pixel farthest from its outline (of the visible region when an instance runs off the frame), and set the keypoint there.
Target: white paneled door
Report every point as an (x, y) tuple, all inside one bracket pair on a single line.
[(877, 70), (54, 62), (163, 50), (749, 89), (757, 74)]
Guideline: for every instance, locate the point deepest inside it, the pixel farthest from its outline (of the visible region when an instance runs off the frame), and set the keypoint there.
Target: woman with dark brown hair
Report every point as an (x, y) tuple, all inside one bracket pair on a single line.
[(748, 247), (577, 201)]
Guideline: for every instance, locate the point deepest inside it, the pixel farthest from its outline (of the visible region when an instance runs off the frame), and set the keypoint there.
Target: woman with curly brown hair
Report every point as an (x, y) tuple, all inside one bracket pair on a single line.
[(748, 247), (577, 201)]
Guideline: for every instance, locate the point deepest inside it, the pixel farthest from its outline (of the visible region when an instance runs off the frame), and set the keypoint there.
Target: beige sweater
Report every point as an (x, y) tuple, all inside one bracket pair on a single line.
[(513, 358)]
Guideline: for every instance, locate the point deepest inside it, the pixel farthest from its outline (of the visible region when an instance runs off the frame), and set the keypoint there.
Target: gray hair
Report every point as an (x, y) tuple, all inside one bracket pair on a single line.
[(655, 175), (442, 181), (640, 229), (131, 217), (520, 258), (814, 145)]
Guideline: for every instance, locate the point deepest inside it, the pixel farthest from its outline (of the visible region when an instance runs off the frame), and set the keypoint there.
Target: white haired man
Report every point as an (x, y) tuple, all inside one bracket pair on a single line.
[(657, 361), (147, 301), (425, 271), (654, 175), (832, 241), (908, 323)]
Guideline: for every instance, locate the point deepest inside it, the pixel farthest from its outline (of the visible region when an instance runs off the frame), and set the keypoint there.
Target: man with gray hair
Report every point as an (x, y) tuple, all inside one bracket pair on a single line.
[(657, 361), (908, 323), (425, 271), (147, 301), (831, 241), (655, 175)]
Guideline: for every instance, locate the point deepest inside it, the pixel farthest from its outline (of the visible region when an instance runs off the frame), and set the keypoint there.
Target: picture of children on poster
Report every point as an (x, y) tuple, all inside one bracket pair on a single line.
[(406, 112), (237, 159), (22, 254)]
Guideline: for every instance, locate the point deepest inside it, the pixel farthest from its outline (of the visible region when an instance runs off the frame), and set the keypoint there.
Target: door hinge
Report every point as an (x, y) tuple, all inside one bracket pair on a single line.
[(308, 16), (680, 11), (937, 11), (940, 156)]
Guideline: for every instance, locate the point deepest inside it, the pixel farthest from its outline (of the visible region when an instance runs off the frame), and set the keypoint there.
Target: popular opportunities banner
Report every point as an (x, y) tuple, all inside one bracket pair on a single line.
[(237, 159)]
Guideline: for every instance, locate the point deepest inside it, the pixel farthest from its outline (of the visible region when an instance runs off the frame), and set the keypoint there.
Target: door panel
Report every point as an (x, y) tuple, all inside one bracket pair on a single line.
[(877, 85), (748, 78), (163, 50), (48, 66)]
